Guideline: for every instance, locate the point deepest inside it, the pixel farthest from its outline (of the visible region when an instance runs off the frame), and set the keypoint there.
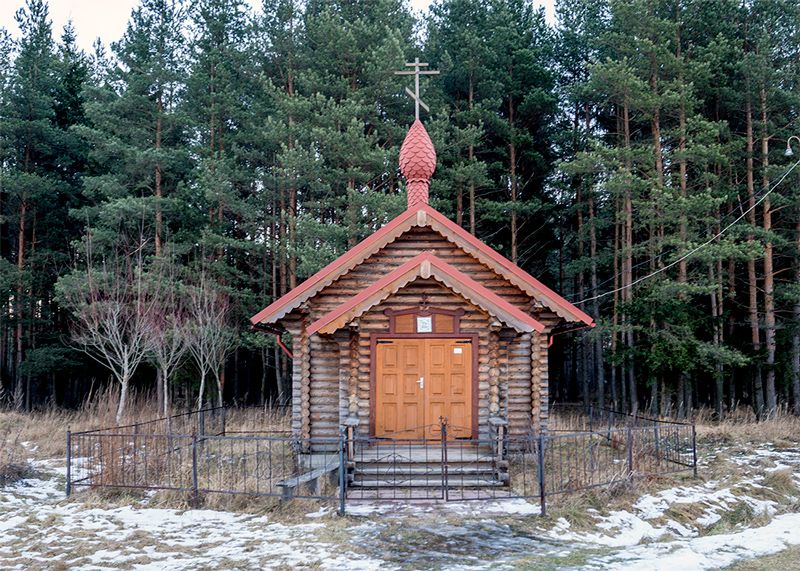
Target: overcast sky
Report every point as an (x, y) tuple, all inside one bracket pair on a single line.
[(107, 18)]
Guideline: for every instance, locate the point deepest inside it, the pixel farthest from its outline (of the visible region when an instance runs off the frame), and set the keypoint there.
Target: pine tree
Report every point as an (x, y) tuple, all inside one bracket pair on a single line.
[(458, 46), (138, 134), (32, 138)]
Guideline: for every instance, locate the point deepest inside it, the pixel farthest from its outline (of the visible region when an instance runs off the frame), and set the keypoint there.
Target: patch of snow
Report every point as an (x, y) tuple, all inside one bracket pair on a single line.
[(709, 552), (505, 506), (37, 527), (36, 518), (321, 512)]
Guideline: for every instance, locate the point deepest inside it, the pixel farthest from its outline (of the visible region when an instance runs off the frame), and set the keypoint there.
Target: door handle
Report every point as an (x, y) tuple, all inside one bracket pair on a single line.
[(421, 382)]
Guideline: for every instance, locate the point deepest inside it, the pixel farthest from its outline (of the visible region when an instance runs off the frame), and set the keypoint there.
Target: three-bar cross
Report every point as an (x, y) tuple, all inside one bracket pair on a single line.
[(416, 73)]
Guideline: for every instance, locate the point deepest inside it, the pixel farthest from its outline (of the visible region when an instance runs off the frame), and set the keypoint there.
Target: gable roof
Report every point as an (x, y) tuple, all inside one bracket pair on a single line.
[(426, 265), (421, 215)]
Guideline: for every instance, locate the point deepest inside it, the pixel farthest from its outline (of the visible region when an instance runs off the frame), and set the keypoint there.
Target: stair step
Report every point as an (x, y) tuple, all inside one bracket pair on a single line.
[(431, 478), (428, 494), (430, 483), (389, 469), (453, 467), (399, 454)]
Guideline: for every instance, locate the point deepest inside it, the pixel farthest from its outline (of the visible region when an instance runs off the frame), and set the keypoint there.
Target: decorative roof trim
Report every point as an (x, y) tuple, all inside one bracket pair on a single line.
[(505, 267), (426, 265), (337, 268), (422, 216)]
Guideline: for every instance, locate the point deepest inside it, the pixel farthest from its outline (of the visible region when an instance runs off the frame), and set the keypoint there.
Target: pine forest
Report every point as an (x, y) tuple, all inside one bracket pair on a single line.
[(638, 156)]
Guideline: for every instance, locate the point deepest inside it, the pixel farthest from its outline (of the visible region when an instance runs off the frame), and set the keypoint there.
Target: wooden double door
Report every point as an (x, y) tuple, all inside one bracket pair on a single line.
[(419, 380)]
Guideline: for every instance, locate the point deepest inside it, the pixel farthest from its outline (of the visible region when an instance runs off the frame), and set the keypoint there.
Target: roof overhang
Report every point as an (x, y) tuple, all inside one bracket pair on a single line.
[(421, 216), (426, 265)]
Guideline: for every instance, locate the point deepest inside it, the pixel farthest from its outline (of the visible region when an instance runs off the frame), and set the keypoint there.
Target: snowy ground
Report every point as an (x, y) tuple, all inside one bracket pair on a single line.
[(700, 525)]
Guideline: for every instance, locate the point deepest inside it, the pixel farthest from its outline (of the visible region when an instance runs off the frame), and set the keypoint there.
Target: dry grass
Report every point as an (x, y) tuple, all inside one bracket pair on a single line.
[(742, 427), (14, 465), (155, 455), (741, 516), (168, 458), (257, 420), (158, 456), (46, 430), (786, 560), (739, 426)]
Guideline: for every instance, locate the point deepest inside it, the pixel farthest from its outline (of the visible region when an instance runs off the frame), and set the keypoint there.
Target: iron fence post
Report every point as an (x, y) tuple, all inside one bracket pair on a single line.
[(69, 463), (222, 420), (351, 449), (630, 451), (657, 444), (443, 433), (542, 494), (195, 485), (591, 414), (694, 449), (342, 477)]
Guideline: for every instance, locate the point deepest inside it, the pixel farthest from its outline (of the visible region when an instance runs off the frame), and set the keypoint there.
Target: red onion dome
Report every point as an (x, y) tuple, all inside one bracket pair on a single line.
[(417, 163)]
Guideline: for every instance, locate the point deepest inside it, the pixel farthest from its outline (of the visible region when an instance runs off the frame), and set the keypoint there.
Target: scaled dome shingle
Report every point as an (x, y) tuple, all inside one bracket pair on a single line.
[(417, 163)]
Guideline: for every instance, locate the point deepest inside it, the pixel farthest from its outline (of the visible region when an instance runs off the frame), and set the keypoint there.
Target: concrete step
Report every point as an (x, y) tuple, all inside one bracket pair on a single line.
[(429, 483), (396, 452), (421, 469), (426, 494)]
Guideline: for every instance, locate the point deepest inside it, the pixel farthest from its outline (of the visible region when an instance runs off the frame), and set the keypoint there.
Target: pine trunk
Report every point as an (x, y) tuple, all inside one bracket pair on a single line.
[(627, 270), (512, 173), (599, 366), (158, 191), (752, 283), (796, 332), (769, 281), (471, 156)]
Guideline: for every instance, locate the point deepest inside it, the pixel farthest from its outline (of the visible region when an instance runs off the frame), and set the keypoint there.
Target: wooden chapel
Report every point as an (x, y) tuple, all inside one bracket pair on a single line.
[(419, 321)]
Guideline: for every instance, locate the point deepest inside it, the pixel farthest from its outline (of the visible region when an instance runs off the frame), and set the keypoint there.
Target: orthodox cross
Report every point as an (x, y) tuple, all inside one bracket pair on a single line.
[(416, 73)]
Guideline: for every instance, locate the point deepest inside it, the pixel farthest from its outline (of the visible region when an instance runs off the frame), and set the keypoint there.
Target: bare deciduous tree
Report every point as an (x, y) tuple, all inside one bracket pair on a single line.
[(112, 310), (167, 330), (210, 338)]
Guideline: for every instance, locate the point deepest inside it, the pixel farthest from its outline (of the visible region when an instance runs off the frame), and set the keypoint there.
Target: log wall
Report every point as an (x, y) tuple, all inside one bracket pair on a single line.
[(331, 373)]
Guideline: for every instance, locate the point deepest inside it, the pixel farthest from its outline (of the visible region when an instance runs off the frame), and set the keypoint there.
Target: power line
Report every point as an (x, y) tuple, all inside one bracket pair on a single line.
[(703, 245), (725, 217)]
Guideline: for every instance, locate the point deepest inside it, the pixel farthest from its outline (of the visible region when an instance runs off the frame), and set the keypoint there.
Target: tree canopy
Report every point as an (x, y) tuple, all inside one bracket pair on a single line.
[(631, 155)]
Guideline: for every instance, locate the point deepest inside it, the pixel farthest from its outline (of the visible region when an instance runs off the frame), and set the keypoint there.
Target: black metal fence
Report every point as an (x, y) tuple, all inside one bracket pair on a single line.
[(534, 466), (197, 457), (201, 459), (204, 422)]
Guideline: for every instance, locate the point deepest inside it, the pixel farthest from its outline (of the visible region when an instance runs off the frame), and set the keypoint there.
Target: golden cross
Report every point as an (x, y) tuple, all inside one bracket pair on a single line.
[(416, 73)]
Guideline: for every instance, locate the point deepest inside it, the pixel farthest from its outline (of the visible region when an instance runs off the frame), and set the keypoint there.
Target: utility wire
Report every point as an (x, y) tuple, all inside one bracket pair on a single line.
[(727, 216), (703, 245)]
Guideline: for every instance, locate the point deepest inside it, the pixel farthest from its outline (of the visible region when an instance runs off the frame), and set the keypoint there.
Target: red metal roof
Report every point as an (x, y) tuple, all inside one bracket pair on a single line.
[(423, 266), (421, 215), (556, 302), (292, 299)]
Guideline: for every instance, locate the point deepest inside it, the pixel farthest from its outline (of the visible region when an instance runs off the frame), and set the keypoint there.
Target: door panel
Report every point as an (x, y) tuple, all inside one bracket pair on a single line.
[(398, 397), (450, 363), (402, 407)]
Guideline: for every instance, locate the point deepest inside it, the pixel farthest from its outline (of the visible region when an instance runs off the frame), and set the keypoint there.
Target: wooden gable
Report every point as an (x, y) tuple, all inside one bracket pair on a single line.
[(426, 265), (421, 229)]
